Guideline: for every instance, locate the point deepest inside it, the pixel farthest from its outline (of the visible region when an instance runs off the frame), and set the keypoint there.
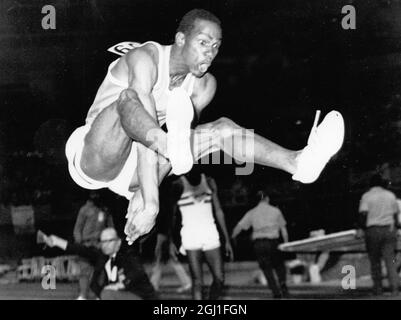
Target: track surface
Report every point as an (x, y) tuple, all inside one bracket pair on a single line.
[(67, 291)]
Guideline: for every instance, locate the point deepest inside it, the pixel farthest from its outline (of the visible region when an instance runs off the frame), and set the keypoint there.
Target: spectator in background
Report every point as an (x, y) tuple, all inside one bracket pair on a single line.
[(267, 222), (399, 211), (165, 249), (92, 219), (378, 220), (200, 210)]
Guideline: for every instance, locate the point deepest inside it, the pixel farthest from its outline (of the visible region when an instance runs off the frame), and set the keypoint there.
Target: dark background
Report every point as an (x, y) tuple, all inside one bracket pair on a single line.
[(279, 62)]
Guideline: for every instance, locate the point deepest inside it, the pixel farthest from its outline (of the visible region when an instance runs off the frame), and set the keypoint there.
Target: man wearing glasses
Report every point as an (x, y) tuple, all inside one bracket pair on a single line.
[(117, 275)]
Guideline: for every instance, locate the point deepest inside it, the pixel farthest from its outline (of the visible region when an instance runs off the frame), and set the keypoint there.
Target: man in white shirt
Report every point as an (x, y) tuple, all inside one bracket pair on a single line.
[(267, 222), (378, 210)]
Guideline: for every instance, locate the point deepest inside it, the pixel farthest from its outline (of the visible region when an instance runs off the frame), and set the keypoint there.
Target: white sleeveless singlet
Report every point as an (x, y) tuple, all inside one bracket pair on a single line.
[(196, 204), (111, 88)]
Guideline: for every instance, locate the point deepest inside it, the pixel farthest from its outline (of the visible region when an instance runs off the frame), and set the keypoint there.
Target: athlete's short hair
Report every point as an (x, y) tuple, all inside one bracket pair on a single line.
[(187, 22)]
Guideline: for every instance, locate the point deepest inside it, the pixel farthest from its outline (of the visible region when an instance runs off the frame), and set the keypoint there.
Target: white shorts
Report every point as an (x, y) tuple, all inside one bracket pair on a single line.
[(119, 185), (202, 143), (200, 237)]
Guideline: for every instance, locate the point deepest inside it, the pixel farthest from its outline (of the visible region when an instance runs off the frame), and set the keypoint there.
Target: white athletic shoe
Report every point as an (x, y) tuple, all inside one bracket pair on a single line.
[(324, 142), (179, 115)]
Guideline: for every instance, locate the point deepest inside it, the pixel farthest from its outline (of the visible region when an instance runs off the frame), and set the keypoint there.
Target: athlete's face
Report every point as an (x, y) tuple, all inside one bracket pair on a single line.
[(201, 46)]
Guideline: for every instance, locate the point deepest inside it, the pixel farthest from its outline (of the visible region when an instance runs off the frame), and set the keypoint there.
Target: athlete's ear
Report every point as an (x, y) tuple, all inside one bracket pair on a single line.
[(180, 39)]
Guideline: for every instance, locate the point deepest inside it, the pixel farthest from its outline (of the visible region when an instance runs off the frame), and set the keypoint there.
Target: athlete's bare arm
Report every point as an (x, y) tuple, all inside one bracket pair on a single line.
[(203, 93)]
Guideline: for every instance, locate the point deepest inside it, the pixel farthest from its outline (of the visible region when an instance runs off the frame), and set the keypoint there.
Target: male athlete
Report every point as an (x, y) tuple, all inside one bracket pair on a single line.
[(123, 147)]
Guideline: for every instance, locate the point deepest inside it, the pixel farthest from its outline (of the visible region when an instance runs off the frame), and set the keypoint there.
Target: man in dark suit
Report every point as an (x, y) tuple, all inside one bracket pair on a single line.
[(117, 275)]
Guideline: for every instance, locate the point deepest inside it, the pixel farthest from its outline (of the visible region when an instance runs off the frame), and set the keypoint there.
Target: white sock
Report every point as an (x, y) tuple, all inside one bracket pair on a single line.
[(179, 115)]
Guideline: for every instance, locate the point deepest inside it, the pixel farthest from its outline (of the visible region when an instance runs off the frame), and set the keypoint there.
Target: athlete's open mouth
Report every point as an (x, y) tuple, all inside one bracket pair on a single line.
[(203, 67)]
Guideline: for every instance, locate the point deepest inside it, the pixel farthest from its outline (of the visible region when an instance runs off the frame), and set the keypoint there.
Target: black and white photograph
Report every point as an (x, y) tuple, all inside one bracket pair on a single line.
[(197, 156)]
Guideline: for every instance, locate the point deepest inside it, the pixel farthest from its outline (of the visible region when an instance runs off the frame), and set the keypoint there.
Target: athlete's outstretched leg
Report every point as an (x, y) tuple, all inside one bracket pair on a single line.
[(225, 135), (305, 165)]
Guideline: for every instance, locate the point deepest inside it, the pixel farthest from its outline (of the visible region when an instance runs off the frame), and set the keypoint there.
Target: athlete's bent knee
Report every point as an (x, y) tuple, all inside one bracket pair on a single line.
[(128, 98), (225, 127)]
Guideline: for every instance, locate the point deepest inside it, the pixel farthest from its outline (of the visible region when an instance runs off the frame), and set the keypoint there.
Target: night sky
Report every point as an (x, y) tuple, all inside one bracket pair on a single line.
[(279, 62)]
